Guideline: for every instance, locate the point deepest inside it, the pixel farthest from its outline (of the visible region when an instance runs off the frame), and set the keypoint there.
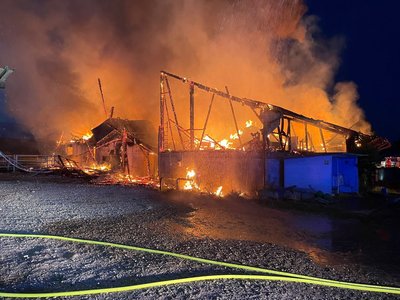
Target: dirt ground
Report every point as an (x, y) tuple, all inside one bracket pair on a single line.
[(228, 229)]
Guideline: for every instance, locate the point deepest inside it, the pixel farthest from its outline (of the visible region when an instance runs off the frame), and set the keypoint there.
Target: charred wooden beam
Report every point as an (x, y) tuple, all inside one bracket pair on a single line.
[(254, 104), (162, 104), (234, 118), (206, 121), (191, 93), (169, 92)]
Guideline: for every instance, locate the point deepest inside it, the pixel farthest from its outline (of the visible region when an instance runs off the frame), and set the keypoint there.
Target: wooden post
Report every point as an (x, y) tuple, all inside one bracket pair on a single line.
[(205, 123), (191, 92), (169, 92), (306, 135), (289, 135), (323, 139), (162, 100), (234, 118)]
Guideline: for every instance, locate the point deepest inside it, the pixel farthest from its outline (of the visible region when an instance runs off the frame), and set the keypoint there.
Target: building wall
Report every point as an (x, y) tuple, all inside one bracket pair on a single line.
[(141, 162), (237, 171), (325, 173), (309, 172), (243, 171), (108, 154), (272, 173)]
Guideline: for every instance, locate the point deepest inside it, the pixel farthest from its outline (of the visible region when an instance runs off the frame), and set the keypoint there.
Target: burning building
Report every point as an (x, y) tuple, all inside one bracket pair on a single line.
[(286, 149), (126, 146), (14, 137)]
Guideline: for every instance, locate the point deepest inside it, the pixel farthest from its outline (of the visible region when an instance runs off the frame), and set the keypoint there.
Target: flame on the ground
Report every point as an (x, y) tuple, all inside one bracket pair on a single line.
[(190, 183), (218, 192), (126, 179), (97, 167)]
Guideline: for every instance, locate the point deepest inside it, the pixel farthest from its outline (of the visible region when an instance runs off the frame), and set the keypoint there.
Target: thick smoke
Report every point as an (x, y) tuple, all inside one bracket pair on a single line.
[(266, 50)]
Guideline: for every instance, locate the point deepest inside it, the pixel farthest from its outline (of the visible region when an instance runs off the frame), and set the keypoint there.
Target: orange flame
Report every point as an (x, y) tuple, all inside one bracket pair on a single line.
[(190, 183), (218, 192), (87, 136)]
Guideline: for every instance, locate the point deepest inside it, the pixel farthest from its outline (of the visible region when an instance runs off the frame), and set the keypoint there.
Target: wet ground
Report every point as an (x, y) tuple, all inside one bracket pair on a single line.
[(328, 239)]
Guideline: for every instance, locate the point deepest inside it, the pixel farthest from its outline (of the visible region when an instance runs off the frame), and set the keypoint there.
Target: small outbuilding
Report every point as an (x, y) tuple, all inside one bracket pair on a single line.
[(124, 146), (328, 173), (127, 145)]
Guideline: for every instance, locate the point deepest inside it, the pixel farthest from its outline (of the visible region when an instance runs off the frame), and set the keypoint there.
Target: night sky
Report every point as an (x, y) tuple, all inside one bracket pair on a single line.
[(371, 55)]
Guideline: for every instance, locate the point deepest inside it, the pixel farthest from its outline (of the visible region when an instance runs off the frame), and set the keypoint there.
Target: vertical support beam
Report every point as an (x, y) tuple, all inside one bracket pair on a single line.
[(174, 111), (323, 139), (306, 135), (162, 104), (289, 136), (281, 132), (191, 92), (205, 123), (264, 154), (168, 124), (234, 118), (311, 142)]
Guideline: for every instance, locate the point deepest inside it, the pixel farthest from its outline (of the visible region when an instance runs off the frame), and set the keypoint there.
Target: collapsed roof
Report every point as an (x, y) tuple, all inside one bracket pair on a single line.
[(138, 132)]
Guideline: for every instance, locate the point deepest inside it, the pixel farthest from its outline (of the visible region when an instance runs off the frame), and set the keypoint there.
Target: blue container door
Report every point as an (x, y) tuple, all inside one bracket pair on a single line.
[(345, 171)]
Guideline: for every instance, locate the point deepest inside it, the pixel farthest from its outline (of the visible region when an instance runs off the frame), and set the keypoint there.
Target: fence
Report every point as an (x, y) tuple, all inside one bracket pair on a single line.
[(27, 161)]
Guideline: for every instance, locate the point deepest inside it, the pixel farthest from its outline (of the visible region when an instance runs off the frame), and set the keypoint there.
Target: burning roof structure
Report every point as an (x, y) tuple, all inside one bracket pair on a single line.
[(14, 137), (125, 146), (282, 129), (240, 162), (139, 132)]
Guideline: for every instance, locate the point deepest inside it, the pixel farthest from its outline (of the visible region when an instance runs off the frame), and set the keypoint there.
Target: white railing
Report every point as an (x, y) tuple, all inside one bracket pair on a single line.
[(11, 162)]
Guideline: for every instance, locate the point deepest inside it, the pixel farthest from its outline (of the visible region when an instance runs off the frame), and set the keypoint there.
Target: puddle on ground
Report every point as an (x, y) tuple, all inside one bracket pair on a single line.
[(327, 240)]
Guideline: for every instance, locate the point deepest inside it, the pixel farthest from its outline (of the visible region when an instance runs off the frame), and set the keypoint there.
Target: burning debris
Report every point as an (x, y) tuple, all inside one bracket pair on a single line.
[(125, 149), (190, 183)]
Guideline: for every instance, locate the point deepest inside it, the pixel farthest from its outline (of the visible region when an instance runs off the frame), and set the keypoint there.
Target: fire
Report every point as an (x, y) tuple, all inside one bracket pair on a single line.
[(97, 167), (190, 183), (226, 143), (218, 192), (209, 141), (190, 174), (235, 136), (87, 136)]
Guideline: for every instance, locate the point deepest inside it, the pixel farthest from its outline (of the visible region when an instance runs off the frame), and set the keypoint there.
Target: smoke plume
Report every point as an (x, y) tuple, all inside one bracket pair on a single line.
[(266, 50)]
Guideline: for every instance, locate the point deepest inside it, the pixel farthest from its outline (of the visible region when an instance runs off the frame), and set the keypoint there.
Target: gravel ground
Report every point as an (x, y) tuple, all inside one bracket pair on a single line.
[(146, 218)]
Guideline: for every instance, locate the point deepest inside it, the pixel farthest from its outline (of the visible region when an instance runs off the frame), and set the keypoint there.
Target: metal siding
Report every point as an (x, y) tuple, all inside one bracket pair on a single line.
[(345, 174), (272, 173), (309, 172)]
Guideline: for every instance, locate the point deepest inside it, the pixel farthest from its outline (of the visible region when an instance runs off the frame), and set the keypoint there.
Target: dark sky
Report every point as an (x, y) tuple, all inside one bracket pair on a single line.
[(371, 56)]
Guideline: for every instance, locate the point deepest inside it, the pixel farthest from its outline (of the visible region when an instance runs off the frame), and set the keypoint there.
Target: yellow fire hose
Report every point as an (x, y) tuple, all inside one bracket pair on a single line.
[(273, 275)]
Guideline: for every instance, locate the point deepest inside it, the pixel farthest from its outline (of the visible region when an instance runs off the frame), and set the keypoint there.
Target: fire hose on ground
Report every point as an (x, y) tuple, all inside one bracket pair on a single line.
[(272, 274)]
